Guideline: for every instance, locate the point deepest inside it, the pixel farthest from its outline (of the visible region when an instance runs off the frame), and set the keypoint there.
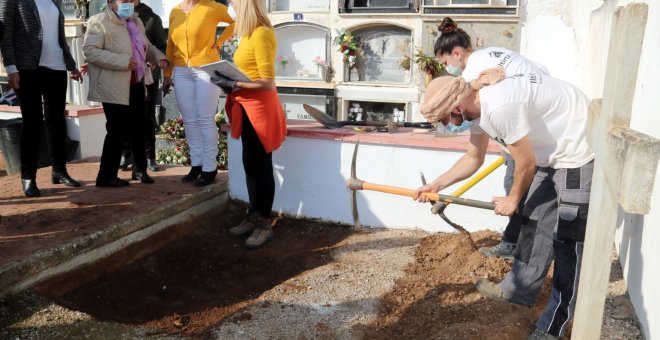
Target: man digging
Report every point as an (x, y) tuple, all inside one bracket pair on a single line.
[(541, 121)]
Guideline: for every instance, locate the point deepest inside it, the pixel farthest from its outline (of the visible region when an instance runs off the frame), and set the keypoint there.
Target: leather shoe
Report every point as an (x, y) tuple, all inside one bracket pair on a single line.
[(143, 177), (64, 178), (195, 171), (152, 164), (125, 161), (30, 187), (206, 178), (111, 183)]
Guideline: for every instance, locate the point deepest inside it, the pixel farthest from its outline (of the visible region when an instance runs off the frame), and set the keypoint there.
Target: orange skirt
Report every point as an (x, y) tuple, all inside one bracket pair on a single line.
[(265, 112)]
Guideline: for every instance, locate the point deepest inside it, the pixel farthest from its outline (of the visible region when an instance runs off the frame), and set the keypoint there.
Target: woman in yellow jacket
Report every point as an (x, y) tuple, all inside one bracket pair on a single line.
[(192, 43), (256, 115)]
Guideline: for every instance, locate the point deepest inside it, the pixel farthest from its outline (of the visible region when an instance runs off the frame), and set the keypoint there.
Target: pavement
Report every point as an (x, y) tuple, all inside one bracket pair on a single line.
[(68, 228)]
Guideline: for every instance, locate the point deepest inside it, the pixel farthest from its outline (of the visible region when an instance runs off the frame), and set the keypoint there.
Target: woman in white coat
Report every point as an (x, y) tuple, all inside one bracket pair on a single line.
[(116, 50)]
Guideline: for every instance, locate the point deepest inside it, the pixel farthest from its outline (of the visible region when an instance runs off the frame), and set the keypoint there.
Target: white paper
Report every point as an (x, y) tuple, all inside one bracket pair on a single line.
[(227, 69)]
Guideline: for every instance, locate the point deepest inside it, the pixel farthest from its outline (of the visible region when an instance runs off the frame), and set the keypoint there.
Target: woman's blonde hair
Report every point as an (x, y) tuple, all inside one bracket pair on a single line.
[(250, 14)]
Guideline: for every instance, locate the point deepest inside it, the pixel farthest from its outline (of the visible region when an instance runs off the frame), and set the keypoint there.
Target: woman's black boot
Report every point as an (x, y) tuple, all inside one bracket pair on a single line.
[(143, 177), (30, 187), (195, 171), (63, 177), (206, 178)]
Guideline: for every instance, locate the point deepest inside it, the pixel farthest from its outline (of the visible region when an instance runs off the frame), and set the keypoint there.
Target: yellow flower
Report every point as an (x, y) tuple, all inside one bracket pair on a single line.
[(347, 38)]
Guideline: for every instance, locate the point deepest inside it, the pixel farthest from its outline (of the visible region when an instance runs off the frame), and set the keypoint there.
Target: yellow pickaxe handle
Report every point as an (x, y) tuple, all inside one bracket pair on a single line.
[(440, 205)]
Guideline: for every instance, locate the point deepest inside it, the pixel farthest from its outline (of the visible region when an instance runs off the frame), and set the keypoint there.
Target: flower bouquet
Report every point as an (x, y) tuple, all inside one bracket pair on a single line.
[(282, 60), (320, 64), (348, 45), (428, 64)]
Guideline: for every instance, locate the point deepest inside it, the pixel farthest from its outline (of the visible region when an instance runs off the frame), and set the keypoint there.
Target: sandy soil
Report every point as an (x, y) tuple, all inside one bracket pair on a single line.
[(313, 281)]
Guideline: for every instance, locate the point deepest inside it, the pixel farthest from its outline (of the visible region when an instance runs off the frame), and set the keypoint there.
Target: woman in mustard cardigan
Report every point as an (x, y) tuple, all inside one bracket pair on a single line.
[(192, 43), (256, 116)]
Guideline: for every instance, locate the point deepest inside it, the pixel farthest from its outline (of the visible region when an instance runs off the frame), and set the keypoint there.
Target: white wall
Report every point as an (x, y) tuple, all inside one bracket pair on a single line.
[(311, 182), (638, 235), (572, 38)]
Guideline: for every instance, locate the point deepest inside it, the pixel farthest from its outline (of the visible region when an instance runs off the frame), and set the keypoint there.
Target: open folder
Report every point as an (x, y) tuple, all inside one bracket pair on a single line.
[(227, 69)]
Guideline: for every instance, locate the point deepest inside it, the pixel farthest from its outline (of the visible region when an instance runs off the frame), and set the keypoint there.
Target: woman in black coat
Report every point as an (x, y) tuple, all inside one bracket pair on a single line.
[(37, 57)]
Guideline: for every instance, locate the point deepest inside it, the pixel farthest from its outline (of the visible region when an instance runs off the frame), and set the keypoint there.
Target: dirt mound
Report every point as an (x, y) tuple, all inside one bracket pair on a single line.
[(437, 298)]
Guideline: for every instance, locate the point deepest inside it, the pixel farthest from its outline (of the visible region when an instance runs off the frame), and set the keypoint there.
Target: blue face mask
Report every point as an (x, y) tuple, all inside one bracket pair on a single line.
[(460, 128), (125, 10), (463, 127), (454, 70)]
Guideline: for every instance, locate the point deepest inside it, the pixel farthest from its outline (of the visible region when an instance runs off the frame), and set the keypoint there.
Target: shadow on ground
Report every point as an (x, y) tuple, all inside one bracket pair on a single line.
[(197, 281)]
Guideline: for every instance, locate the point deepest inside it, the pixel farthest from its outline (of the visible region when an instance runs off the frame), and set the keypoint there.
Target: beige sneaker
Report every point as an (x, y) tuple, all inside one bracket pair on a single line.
[(246, 226), (261, 234)]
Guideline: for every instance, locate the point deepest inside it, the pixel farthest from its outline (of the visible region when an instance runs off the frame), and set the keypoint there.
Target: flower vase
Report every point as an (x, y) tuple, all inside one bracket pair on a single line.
[(327, 74), (353, 74), (428, 78)]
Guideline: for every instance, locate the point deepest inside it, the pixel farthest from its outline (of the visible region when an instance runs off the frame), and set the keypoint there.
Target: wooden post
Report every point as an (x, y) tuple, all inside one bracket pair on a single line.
[(624, 171)]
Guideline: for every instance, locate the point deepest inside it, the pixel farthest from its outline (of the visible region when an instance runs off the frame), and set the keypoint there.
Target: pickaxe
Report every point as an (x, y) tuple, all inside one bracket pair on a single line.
[(356, 184)]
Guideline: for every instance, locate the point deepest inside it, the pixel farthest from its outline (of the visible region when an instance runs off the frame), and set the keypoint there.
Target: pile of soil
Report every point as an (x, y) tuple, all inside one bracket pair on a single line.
[(437, 297)]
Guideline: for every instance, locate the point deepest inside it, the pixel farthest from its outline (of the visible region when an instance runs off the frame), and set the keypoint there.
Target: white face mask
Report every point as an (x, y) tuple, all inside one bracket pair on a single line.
[(454, 70), (231, 11)]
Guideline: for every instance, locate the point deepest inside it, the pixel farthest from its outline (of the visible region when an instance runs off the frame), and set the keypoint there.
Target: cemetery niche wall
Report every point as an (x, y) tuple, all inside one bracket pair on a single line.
[(302, 51), (381, 50)]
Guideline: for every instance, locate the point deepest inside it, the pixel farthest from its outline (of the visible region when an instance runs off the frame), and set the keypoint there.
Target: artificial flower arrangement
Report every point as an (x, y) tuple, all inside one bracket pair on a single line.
[(348, 45), (320, 64), (428, 64), (174, 132), (283, 60), (405, 62)]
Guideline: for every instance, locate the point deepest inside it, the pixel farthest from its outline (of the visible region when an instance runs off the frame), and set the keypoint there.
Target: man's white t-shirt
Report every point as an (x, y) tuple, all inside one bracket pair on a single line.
[(512, 62), (551, 112)]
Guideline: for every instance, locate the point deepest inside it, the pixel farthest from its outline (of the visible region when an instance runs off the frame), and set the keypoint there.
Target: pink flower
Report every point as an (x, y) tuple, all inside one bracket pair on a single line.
[(282, 59)]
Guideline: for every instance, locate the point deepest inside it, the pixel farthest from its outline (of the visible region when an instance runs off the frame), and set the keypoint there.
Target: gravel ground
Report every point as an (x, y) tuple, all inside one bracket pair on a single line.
[(325, 302)]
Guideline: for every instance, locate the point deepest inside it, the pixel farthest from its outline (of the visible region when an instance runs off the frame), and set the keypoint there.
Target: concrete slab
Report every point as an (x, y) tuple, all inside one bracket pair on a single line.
[(67, 228)]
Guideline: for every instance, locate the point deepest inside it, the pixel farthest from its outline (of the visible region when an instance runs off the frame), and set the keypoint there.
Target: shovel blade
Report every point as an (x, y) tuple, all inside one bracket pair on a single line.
[(322, 118)]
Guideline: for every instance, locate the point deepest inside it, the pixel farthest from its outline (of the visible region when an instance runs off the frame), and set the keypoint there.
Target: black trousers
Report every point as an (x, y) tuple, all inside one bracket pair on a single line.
[(258, 167), (124, 121), (49, 85), (153, 98)]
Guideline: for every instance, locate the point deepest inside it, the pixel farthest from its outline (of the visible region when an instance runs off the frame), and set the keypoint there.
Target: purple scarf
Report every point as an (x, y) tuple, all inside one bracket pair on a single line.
[(139, 47)]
